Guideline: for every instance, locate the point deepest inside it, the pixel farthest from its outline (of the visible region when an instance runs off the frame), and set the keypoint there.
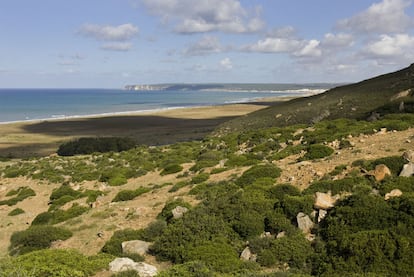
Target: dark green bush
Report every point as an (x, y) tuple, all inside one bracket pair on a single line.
[(292, 205), (166, 212), (16, 211), (317, 151), (281, 190), (22, 194), (190, 269), (256, 172), (57, 216), (171, 168), (114, 245), (35, 238), (126, 195), (64, 190), (54, 263), (201, 177), (92, 145)]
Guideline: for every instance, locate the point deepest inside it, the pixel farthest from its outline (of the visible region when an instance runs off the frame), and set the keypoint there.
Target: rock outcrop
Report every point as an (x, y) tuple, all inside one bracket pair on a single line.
[(304, 223), (393, 193), (408, 170), (178, 212), (125, 264), (247, 255), (135, 247), (380, 172), (325, 201)]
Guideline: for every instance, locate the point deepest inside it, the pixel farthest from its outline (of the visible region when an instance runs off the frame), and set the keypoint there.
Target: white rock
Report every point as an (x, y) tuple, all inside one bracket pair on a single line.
[(304, 223), (393, 193), (125, 264), (408, 170), (179, 211), (135, 247)]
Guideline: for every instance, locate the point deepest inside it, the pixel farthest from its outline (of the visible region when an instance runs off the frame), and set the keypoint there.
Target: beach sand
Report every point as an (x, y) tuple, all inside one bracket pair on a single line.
[(41, 138)]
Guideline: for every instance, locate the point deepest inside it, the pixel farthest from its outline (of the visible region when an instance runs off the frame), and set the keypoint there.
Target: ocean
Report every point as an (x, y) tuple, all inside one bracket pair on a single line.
[(45, 104)]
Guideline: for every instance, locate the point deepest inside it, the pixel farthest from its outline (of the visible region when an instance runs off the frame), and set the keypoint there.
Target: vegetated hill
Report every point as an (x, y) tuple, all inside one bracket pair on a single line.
[(383, 95)]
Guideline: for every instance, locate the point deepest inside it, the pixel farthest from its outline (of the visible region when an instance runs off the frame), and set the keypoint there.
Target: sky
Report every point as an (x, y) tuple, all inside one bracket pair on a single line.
[(112, 43)]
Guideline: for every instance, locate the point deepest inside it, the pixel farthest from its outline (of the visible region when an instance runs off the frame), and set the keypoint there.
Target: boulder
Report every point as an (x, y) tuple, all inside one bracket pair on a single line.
[(409, 156), (408, 170), (324, 200), (178, 212), (121, 264), (125, 264), (393, 193), (247, 255), (304, 223), (135, 247), (380, 172), (321, 215)]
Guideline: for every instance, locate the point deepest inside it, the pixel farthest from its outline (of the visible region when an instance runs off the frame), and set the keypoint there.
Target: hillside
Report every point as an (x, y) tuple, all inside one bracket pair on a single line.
[(294, 200), (382, 94)]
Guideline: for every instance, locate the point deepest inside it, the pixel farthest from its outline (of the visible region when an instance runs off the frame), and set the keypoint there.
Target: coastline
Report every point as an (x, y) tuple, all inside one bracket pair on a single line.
[(151, 127)]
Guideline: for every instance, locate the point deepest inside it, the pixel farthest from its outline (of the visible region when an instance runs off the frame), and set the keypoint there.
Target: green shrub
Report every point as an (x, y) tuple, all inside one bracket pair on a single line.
[(117, 180), (317, 151), (189, 269), (256, 172), (126, 195), (64, 190), (281, 190), (178, 186), (114, 245), (217, 255), (128, 273), (54, 263), (22, 194), (166, 212), (170, 169), (57, 216), (292, 205), (202, 177), (35, 238), (16, 211), (92, 145)]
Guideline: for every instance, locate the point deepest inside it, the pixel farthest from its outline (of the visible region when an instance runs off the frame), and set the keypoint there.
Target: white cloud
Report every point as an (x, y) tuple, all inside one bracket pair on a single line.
[(337, 40), (398, 47), (117, 46), (275, 45), (206, 45), (205, 15), (226, 63), (311, 49), (122, 32), (383, 17)]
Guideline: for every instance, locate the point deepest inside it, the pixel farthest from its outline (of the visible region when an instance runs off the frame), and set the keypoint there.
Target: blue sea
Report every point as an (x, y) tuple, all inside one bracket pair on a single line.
[(45, 104)]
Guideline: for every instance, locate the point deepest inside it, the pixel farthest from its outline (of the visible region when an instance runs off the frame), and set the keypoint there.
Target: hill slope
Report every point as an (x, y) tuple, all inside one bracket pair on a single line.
[(382, 94)]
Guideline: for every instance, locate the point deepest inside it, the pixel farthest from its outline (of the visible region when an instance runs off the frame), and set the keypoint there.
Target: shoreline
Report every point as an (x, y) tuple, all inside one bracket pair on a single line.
[(155, 127)]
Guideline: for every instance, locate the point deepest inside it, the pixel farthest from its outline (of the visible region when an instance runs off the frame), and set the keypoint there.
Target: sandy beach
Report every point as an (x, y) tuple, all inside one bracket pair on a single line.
[(40, 138)]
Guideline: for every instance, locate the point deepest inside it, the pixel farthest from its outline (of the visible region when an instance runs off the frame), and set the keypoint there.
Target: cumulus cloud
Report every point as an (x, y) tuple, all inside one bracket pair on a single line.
[(117, 46), (226, 63), (310, 49), (205, 15), (275, 45), (337, 40), (387, 16), (122, 32), (206, 45), (397, 47)]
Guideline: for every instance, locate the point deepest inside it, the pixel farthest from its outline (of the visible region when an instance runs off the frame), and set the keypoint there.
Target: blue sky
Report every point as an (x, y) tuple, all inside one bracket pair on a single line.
[(111, 43)]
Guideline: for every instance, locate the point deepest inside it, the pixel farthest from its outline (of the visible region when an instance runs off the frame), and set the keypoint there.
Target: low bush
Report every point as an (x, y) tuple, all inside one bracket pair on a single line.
[(126, 195), (15, 212), (114, 245), (166, 212), (57, 216), (202, 177), (21, 194), (256, 172), (92, 145), (171, 169), (35, 238), (317, 151), (54, 263)]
